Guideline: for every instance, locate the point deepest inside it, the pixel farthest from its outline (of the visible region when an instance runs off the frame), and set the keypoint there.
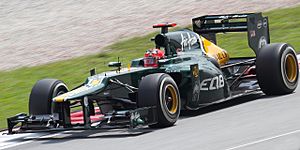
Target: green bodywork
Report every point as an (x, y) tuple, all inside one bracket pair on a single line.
[(178, 66)]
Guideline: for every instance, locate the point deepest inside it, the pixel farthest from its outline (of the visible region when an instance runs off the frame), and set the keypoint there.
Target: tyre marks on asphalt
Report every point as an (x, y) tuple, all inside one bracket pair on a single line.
[(7, 141)]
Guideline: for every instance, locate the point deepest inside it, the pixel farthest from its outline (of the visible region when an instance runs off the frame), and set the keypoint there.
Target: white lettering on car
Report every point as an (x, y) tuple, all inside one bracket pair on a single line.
[(203, 84), (188, 41), (214, 83)]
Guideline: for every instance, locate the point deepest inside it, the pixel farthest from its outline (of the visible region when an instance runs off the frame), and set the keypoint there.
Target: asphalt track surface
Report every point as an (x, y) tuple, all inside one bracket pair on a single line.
[(254, 122)]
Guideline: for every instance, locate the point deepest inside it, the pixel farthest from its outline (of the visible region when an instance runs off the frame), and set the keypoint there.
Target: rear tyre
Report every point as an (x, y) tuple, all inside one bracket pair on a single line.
[(40, 100), (277, 69), (160, 90)]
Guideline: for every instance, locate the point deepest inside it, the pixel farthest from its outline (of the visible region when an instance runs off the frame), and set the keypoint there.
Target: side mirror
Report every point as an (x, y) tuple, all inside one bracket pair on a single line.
[(115, 64)]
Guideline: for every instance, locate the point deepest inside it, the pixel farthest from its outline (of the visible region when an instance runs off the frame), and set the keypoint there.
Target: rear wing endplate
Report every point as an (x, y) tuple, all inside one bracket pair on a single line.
[(256, 26)]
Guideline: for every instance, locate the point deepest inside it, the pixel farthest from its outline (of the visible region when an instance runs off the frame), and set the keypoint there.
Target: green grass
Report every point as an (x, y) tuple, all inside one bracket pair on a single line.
[(16, 85)]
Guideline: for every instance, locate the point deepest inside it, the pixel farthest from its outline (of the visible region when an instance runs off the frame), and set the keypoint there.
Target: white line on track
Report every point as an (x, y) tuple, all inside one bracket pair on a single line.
[(263, 140)]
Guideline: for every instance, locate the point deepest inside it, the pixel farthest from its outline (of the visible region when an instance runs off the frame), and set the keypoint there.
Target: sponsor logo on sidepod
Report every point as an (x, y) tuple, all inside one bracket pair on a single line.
[(214, 83)]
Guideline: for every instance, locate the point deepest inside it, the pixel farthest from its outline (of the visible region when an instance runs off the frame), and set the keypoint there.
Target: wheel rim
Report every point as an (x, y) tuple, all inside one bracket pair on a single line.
[(56, 92), (171, 99), (290, 68)]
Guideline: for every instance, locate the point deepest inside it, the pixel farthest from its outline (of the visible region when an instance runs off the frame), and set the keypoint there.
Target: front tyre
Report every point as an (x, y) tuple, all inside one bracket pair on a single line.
[(160, 90), (40, 100), (277, 69)]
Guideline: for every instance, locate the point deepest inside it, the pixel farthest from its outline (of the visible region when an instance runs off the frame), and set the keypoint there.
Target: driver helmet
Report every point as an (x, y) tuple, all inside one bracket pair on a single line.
[(152, 56)]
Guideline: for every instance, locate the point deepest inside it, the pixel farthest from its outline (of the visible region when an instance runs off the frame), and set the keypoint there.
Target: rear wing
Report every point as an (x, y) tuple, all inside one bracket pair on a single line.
[(256, 26)]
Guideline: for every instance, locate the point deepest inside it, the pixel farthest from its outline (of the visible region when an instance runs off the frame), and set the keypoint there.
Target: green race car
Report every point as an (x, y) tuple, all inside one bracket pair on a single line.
[(186, 70)]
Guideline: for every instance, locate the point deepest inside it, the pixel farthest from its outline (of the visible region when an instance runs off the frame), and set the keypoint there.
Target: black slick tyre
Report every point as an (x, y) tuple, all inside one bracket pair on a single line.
[(160, 90), (40, 100), (277, 69)]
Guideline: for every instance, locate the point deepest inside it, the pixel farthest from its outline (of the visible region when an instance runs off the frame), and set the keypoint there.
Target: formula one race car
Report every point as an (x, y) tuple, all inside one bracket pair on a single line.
[(185, 71)]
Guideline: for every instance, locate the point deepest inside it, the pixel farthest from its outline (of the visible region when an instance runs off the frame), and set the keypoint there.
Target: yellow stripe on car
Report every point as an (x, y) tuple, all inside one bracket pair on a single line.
[(62, 97)]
